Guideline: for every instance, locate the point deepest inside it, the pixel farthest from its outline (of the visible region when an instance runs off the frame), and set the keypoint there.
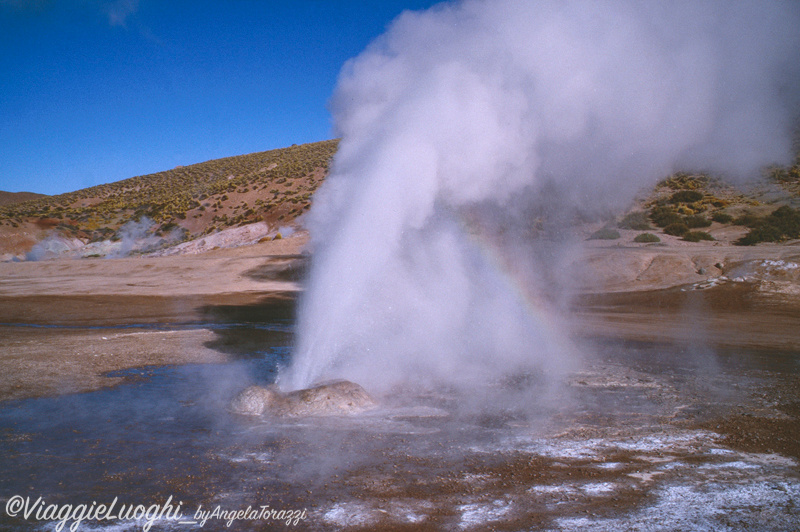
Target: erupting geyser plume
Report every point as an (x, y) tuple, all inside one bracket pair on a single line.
[(489, 105)]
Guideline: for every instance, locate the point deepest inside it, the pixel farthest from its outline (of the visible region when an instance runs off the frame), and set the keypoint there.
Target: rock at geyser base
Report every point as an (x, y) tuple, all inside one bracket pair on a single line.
[(330, 398), (253, 400)]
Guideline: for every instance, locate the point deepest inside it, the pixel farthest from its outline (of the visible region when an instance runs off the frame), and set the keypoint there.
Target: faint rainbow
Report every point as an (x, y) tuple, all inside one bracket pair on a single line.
[(541, 314)]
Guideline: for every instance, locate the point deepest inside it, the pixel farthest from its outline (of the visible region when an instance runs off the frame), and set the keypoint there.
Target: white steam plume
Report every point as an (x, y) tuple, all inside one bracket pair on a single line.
[(499, 103)]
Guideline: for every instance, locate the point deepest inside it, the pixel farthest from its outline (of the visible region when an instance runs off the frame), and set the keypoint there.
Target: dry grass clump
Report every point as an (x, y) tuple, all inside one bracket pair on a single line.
[(686, 196), (781, 224), (722, 217), (637, 220), (684, 181), (663, 216), (696, 221), (606, 233), (786, 174), (697, 236), (676, 229), (645, 238)]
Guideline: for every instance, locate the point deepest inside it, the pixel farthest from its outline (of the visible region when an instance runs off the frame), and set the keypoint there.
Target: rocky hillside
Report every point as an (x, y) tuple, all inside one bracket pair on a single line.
[(10, 198), (244, 199), (697, 207), (273, 187)]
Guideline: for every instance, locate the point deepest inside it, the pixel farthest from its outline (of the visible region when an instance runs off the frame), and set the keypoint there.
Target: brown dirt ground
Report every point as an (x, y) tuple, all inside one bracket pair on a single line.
[(637, 295), (55, 315)]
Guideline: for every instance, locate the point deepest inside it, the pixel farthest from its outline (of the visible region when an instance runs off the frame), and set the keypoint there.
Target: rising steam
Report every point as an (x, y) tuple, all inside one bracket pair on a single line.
[(508, 107)]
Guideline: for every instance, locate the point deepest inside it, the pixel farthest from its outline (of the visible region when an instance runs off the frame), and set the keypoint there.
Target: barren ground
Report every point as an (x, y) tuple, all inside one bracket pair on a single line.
[(67, 323), (654, 435), (61, 319)]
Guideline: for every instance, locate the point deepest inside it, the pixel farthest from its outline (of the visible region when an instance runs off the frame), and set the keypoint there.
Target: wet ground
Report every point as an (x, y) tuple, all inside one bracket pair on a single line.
[(643, 436)]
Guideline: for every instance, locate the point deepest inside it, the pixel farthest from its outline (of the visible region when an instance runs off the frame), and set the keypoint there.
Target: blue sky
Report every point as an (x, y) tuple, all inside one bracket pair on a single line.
[(94, 91)]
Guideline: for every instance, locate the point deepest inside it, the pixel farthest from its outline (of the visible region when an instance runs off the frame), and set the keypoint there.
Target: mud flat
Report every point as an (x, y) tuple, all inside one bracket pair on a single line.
[(712, 295), (66, 324), (731, 315), (683, 415), (238, 273), (721, 312)]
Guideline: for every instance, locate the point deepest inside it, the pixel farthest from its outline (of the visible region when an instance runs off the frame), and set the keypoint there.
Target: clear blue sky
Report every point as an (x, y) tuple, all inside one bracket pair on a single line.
[(94, 91)]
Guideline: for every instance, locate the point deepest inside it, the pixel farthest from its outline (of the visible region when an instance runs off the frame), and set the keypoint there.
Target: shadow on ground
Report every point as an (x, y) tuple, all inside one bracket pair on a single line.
[(249, 330), (292, 268)]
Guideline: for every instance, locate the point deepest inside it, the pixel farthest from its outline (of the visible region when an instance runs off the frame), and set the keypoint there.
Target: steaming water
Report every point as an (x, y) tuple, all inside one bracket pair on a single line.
[(623, 449), (527, 111)]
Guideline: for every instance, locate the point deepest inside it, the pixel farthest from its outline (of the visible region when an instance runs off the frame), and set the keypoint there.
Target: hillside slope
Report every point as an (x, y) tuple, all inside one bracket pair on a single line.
[(11, 198), (186, 202), (243, 199)]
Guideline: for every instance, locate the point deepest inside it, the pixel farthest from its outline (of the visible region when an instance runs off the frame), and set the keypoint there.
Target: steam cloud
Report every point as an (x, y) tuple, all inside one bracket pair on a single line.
[(136, 236), (502, 106)]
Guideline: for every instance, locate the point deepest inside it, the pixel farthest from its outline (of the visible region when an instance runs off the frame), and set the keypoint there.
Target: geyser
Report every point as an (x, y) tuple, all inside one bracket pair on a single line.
[(512, 110)]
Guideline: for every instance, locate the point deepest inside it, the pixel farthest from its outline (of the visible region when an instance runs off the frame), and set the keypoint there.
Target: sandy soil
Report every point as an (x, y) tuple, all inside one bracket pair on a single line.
[(222, 271), (65, 324), (722, 295), (731, 315), (624, 266), (631, 291), (43, 362), (61, 319), (694, 416)]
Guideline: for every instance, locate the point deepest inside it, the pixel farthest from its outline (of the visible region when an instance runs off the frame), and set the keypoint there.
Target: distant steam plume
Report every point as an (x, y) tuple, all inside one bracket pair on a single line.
[(510, 109), (119, 11)]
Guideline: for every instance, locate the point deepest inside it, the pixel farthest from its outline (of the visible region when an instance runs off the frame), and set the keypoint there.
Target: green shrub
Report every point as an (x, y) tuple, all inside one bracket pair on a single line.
[(646, 237), (635, 220), (787, 219), (664, 215), (722, 217), (676, 229), (696, 221), (697, 236), (606, 233), (764, 233), (781, 224), (686, 196), (747, 220)]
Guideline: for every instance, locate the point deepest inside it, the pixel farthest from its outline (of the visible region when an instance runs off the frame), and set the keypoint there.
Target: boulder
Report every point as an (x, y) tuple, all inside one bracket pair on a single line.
[(329, 398), (253, 400)]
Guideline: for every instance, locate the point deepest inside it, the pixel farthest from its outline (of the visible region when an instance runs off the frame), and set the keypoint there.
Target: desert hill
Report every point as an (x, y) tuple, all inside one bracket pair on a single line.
[(10, 198), (273, 187), (249, 198), (698, 207)]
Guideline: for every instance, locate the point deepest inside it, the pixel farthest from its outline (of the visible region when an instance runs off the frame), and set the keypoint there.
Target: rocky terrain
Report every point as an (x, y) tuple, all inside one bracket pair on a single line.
[(268, 190)]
